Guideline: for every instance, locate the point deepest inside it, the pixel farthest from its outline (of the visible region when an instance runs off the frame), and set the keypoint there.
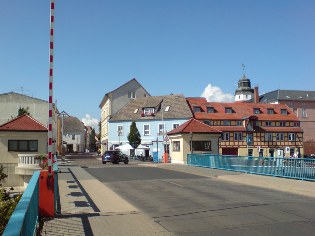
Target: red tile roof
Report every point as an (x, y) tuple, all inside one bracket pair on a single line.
[(23, 123), (193, 126), (240, 110)]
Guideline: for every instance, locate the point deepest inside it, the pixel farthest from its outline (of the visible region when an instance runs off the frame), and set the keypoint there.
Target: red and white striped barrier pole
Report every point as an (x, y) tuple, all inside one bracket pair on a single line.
[(51, 79)]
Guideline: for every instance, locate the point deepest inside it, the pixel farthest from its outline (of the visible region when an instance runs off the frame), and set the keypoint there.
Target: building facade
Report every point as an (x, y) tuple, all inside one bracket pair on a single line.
[(38, 109), (252, 129), (113, 101), (302, 103), (74, 135), (154, 117)]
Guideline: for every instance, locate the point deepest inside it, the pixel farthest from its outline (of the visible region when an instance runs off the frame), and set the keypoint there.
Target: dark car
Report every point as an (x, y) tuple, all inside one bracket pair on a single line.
[(115, 157)]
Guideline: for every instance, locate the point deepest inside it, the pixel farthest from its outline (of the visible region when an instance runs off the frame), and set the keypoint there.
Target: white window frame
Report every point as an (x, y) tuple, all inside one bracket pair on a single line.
[(120, 130), (303, 113), (161, 132), (225, 136), (175, 124), (292, 137), (280, 136), (144, 130), (167, 108), (238, 136), (268, 136), (132, 94), (148, 111)]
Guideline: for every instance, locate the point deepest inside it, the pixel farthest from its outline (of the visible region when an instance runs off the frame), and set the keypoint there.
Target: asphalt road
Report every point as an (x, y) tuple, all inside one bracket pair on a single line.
[(187, 204)]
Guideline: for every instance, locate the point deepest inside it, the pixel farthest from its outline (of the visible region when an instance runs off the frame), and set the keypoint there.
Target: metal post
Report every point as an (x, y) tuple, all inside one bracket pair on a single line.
[(157, 148), (51, 68)]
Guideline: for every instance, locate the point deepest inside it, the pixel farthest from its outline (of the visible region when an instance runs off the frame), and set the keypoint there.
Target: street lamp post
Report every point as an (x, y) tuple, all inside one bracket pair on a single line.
[(191, 148)]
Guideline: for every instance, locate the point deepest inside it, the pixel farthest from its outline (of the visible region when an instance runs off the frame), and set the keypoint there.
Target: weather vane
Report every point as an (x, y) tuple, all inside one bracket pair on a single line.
[(243, 69)]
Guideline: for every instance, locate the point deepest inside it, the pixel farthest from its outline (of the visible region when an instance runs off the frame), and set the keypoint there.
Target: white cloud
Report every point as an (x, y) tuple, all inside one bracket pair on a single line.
[(215, 94), (89, 121)]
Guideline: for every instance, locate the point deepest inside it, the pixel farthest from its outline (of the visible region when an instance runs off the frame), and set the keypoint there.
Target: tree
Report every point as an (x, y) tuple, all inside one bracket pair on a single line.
[(134, 136), (99, 130), (92, 143), (23, 111)]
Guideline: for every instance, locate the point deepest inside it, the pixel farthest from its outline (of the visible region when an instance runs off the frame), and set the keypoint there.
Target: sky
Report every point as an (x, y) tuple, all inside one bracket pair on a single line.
[(190, 47)]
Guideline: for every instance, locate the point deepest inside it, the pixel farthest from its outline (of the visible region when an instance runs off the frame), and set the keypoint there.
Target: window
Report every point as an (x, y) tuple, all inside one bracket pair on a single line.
[(268, 136), (135, 111), (73, 137), (296, 124), (256, 111), (238, 123), (304, 114), (238, 136), (148, 111), (120, 130), (268, 123), (175, 126), (282, 123), (295, 111), (280, 136), (176, 146), (226, 122), (161, 129), (132, 95), (250, 152), (225, 136), (208, 122), (146, 130), (197, 109), (291, 137), (270, 111), (167, 108), (23, 145), (210, 109), (284, 112), (228, 110), (201, 145)]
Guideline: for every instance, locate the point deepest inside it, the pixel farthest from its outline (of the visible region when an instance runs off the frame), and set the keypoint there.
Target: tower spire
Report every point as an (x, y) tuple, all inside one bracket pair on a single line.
[(243, 70)]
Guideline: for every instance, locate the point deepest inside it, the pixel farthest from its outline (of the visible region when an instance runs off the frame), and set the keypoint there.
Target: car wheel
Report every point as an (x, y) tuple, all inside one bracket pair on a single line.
[(126, 162), (104, 162)]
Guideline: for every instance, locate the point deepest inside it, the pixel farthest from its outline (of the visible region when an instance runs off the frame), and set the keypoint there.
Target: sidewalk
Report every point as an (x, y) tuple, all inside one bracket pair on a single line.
[(88, 207)]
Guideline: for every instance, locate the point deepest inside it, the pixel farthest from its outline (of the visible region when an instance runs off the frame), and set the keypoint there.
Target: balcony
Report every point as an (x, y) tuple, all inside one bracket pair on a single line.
[(27, 165)]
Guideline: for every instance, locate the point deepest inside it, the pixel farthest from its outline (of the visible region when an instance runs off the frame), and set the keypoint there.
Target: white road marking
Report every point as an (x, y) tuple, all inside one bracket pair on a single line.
[(170, 182)]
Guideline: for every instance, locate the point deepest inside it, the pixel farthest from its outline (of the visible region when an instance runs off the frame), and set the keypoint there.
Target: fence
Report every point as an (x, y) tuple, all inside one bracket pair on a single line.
[(25, 216), (297, 168)]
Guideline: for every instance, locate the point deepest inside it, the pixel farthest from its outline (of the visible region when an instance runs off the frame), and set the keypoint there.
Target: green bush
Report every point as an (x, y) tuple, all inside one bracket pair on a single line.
[(7, 204)]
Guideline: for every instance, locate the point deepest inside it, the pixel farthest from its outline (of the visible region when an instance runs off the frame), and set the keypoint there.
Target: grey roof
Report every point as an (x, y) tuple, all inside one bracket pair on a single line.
[(72, 124), (286, 95), (107, 94), (178, 108)]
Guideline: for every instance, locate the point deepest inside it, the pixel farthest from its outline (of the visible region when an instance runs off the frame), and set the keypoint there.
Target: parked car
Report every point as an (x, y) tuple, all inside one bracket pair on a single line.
[(115, 157)]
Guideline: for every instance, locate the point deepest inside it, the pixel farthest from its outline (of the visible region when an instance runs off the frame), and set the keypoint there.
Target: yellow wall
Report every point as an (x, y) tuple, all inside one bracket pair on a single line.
[(12, 157)]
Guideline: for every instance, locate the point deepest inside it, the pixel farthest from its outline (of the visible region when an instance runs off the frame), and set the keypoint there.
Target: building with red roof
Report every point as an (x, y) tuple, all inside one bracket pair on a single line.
[(21, 139), (193, 136), (251, 128)]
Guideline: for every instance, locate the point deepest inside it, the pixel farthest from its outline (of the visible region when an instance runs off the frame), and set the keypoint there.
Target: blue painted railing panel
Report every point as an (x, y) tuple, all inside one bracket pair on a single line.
[(25, 216), (297, 168)]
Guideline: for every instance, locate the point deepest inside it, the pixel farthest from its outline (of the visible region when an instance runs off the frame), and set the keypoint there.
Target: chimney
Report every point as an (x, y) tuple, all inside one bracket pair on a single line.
[(256, 95)]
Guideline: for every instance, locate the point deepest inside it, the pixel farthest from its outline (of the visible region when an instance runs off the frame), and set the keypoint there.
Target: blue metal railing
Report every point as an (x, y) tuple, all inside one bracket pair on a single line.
[(297, 168), (24, 219), (25, 216)]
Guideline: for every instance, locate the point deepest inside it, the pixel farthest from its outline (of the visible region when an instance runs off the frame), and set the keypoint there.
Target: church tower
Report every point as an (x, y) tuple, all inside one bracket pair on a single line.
[(244, 91)]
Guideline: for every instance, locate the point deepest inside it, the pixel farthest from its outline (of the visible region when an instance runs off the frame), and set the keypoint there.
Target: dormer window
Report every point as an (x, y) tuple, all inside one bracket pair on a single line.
[(135, 111), (228, 110), (197, 109), (167, 108), (148, 111), (270, 111), (257, 111), (132, 95), (210, 110), (284, 111)]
